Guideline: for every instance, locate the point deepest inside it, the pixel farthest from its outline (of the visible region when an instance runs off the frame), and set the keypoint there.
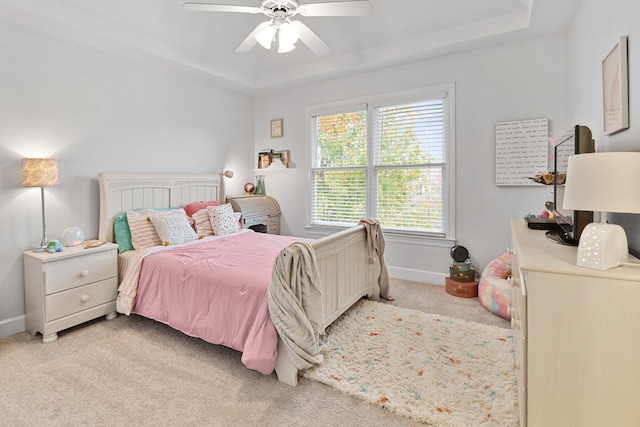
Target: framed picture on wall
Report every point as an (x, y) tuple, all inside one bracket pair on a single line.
[(283, 156), (615, 88), (277, 128), (264, 159)]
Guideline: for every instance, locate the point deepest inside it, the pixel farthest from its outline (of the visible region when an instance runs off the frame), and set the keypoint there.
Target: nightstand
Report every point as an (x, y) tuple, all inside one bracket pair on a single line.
[(260, 213), (67, 288)]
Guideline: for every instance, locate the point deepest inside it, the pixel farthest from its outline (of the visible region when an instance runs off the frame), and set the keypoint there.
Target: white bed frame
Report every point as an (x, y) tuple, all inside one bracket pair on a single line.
[(343, 257)]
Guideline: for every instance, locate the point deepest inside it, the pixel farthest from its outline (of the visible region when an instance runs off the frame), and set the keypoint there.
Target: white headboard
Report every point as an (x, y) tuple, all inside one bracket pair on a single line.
[(122, 192)]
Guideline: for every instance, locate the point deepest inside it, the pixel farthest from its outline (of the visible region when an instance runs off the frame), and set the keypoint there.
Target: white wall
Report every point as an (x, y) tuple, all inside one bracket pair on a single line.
[(99, 112), (523, 80), (597, 26)]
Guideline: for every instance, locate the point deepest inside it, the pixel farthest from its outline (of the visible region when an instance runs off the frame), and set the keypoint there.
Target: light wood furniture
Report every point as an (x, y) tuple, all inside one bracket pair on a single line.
[(342, 258), (577, 336), (260, 213), (67, 288)]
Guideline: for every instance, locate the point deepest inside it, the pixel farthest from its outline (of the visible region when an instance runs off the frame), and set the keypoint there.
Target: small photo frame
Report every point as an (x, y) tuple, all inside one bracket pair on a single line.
[(264, 159), (277, 128), (615, 88), (283, 156)]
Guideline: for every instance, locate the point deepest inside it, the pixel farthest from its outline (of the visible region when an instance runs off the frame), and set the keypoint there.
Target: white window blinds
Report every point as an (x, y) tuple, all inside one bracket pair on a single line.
[(385, 160)]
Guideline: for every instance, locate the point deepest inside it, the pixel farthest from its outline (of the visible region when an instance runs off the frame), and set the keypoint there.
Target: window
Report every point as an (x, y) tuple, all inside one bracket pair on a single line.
[(388, 158)]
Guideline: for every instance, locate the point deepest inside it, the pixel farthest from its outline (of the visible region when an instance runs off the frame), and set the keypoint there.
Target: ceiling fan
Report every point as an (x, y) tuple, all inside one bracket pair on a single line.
[(288, 32)]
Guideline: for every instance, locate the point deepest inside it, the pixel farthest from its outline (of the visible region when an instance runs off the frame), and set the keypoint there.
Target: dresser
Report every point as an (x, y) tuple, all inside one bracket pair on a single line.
[(576, 336), (67, 288), (260, 213)]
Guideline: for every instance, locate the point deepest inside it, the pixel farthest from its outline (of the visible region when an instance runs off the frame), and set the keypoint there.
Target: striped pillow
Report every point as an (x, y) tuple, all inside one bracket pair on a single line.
[(203, 225), (143, 234)]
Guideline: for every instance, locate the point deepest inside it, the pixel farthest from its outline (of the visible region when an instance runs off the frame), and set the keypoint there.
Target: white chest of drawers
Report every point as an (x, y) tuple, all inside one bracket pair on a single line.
[(67, 288), (577, 337)]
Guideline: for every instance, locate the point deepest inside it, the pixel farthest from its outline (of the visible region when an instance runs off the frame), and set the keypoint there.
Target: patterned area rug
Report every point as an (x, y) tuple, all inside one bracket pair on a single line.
[(434, 369)]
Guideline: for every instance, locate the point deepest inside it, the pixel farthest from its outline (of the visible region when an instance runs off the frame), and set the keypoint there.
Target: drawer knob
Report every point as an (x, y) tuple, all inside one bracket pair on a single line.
[(84, 273), (85, 298)]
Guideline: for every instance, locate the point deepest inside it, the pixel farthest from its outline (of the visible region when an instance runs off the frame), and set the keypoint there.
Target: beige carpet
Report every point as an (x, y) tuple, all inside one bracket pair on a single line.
[(134, 371), (431, 368)]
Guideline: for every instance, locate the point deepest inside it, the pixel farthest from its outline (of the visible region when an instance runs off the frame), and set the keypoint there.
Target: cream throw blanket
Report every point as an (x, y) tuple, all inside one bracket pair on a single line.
[(295, 304), (375, 240)]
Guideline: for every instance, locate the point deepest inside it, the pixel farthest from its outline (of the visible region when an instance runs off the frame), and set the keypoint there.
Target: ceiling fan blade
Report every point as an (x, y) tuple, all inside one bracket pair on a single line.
[(337, 8), (202, 7), (308, 37), (248, 43)]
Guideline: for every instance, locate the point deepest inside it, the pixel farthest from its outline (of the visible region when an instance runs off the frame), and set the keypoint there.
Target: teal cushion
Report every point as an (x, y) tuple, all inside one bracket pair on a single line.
[(122, 232)]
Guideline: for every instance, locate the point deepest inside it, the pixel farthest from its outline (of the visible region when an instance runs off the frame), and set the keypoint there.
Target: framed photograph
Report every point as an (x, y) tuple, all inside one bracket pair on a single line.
[(615, 88), (283, 156), (264, 159), (277, 128)]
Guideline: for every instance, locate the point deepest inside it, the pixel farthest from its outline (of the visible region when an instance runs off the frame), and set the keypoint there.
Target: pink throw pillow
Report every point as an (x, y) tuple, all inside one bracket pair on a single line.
[(194, 207)]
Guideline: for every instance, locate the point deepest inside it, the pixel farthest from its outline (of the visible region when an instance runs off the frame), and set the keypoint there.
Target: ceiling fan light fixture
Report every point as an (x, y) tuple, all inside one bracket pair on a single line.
[(266, 36), (288, 35), (284, 48)]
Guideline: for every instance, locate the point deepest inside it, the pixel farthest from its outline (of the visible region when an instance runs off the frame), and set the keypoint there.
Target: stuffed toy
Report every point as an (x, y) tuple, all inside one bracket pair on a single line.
[(55, 246)]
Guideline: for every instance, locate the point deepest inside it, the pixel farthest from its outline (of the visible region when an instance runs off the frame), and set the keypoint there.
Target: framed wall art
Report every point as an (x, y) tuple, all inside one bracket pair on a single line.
[(283, 156), (264, 159), (615, 88), (277, 128)]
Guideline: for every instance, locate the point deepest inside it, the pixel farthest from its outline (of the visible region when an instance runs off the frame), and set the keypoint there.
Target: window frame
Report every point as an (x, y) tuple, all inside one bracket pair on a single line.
[(446, 92)]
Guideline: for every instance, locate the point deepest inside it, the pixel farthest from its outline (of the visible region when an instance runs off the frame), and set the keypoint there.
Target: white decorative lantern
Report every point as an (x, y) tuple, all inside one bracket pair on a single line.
[(73, 236)]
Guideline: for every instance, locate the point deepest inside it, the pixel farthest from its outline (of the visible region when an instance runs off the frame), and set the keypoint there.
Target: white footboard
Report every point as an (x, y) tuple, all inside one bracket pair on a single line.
[(346, 275)]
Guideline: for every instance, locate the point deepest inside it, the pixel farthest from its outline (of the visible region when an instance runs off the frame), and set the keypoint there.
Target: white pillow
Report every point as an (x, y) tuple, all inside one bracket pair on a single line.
[(143, 234), (173, 227), (223, 219)]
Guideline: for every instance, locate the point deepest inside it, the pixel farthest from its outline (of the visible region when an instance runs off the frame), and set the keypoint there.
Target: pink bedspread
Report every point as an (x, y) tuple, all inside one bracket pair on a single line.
[(217, 290)]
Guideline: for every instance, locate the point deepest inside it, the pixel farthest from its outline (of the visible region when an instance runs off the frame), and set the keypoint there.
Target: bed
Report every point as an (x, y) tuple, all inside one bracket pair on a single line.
[(347, 267)]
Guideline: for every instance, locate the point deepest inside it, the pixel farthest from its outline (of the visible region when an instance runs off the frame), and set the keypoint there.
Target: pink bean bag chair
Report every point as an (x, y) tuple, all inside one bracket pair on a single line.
[(494, 290)]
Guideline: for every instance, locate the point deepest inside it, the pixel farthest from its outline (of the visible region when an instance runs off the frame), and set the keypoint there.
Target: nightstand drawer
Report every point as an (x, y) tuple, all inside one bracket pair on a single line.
[(81, 298), (72, 272)]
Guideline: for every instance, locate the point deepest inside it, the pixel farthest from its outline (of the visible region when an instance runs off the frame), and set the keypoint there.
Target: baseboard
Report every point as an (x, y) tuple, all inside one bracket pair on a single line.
[(12, 326), (417, 275)]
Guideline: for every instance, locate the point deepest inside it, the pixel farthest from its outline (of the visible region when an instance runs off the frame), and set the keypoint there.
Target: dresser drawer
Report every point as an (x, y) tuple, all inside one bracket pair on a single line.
[(80, 298), (273, 225), (68, 273), (253, 220)]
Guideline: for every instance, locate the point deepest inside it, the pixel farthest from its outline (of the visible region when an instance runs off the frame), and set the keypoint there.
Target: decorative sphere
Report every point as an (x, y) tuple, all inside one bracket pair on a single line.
[(73, 236), (249, 187)]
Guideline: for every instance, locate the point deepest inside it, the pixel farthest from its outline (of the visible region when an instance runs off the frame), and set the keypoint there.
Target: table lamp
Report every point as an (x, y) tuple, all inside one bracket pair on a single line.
[(604, 182), (40, 173)]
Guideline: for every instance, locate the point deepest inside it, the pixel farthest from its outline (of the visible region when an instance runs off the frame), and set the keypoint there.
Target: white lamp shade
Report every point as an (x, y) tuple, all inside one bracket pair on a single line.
[(265, 37), (288, 34), (284, 48), (73, 236), (603, 182)]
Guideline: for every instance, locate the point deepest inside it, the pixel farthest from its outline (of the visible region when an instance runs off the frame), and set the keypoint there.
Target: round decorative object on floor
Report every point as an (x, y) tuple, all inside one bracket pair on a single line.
[(462, 289), (494, 290), (73, 236)]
